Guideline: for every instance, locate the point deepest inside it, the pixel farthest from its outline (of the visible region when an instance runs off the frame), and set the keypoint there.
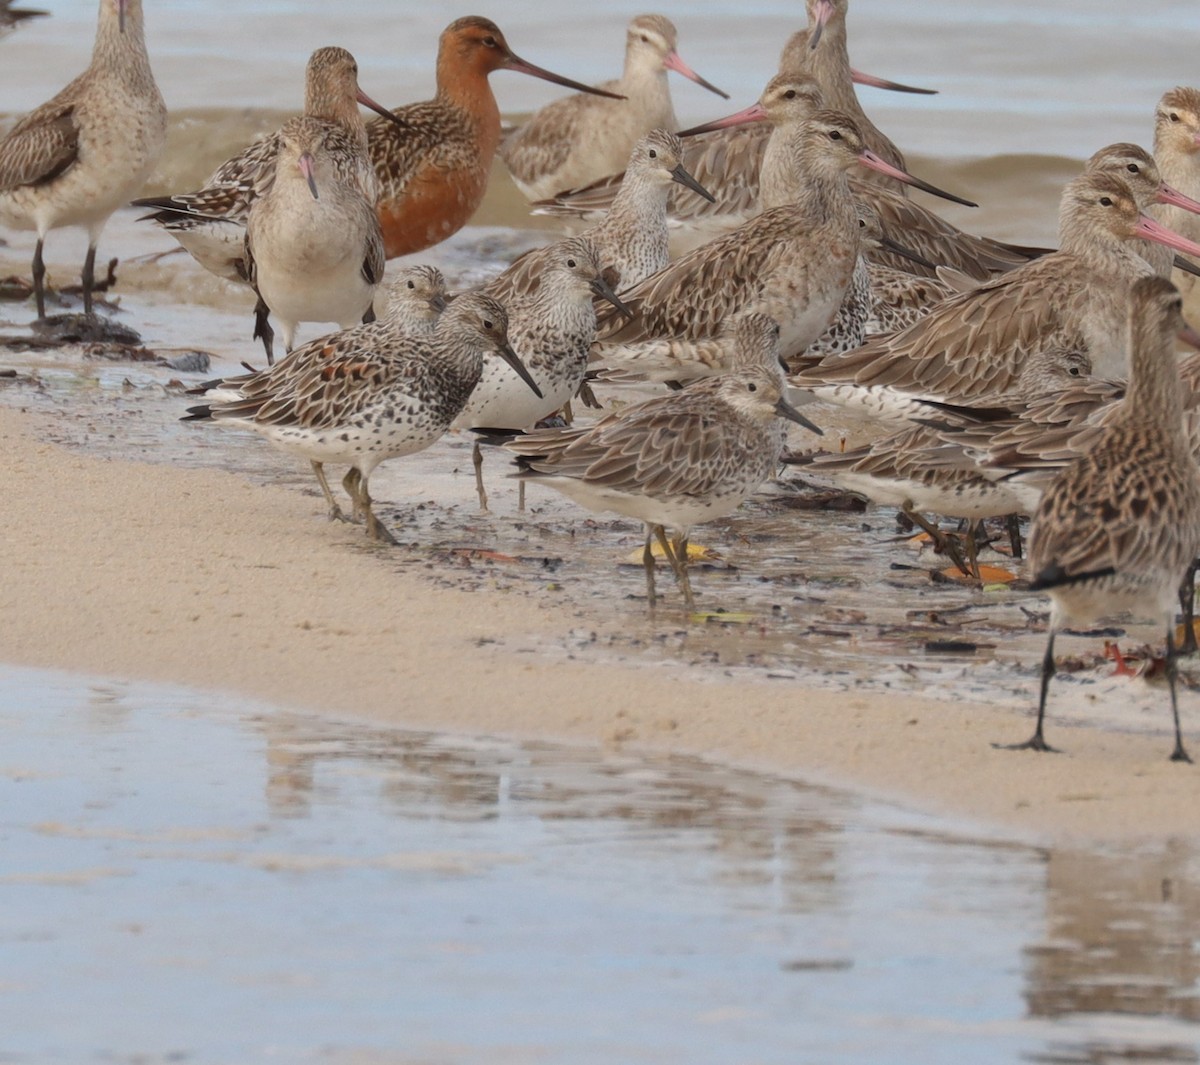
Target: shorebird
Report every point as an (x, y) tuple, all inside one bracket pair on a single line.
[(551, 328), (12, 17), (971, 347), (313, 248), (81, 155), (729, 157), (791, 262), (415, 299), (580, 138), (1177, 152), (925, 468), (676, 460), (433, 163), (1117, 530), (369, 394), (211, 222), (631, 240)]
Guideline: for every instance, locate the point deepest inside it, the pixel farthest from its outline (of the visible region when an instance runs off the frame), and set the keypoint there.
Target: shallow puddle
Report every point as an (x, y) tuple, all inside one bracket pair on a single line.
[(185, 878)]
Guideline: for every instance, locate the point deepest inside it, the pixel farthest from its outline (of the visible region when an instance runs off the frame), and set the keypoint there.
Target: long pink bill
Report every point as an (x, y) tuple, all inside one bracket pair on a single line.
[(1148, 229), (306, 168), (859, 78), (753, 113), (1190, 337), (379, 109), (1166, 194), (1187, 266), (675, 62), (515, 62), (869, 159), (822, 14)]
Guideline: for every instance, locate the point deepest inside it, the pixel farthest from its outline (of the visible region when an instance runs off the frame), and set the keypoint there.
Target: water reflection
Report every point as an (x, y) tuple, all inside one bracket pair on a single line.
[(340, 893)]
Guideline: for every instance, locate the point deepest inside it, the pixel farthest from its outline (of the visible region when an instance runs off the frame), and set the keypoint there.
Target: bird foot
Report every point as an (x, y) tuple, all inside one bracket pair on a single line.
[(1034, 743), (1113, 653), (1180, 755)]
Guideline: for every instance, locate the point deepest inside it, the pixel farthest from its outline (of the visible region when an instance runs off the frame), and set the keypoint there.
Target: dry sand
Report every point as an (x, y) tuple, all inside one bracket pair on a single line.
[(201, 578)]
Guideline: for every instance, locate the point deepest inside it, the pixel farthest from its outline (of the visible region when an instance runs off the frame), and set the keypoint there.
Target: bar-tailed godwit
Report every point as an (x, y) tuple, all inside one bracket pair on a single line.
[(313, 250), (433, 164), (1117, 530), (580, 138), (974, 344), (81, 155), (210, 223)]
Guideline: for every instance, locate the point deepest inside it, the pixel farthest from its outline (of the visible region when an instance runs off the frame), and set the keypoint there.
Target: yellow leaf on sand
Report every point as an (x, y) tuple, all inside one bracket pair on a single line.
[(695, 553), (987, 575)]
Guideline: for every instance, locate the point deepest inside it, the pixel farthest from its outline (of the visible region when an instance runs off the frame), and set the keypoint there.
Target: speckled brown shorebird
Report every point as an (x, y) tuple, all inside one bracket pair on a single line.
[(1117, 530), (676, 460), (433, 164), (81, 155), (371, 393)]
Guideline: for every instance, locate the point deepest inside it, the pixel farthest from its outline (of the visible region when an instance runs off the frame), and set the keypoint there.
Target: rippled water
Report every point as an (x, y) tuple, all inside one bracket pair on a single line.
[(187, 878)]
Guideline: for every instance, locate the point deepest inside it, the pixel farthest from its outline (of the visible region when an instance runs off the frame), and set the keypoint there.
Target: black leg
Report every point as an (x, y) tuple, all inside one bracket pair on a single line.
[(648, 565), (89, 278), (1179, 754), (1187, 605), (1037, 742), (263, 330), (39, 280), (1014, 535)]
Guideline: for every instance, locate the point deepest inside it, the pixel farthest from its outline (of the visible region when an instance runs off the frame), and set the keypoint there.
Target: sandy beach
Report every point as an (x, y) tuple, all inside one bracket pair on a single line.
[(203, 578)]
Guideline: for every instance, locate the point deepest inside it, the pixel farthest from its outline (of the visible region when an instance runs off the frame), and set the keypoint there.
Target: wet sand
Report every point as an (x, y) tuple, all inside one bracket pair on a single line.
[(201, 577)]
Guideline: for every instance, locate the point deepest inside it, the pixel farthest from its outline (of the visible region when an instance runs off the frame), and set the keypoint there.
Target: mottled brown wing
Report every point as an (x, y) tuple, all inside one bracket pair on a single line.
[(375, 259), (1112, 508), (696, 295), (666, 446), (41, 146), (544, 143), (920, 230), (522, 278), (972, 344), (398, 152)]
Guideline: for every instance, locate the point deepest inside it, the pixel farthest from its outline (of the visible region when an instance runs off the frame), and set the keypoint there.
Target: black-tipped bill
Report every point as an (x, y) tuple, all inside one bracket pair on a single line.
[(438, 303), (604, 290), (379, 109), (305, 163), (515, 62), (674, 62), (785, 410), (869, 159), (688, 182), (906, 253), (822, 15), (859, 78), (509, 356)]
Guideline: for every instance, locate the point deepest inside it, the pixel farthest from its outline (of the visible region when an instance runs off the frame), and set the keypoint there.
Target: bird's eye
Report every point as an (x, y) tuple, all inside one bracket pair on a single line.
[(487, 324), (752, 387), (489, 42), (790, 94), (644, 39), (571, 263), (835, 135), (653, 154), (1174, 117), (1074, 371), (411, 285), (1106, 201)]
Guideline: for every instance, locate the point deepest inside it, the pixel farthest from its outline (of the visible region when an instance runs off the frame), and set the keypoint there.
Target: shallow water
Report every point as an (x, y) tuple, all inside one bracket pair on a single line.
[(185, 877)]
